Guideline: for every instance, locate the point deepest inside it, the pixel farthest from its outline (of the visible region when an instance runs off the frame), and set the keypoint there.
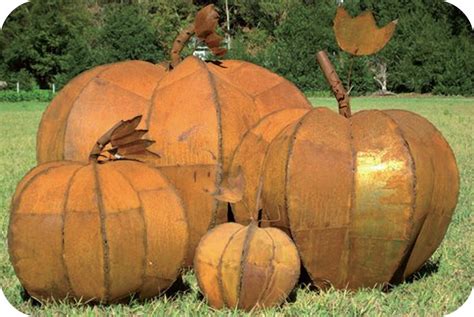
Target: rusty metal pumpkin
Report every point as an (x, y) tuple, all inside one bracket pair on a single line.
[(98, 232), (367, 198), (246, 267), (196, 113)]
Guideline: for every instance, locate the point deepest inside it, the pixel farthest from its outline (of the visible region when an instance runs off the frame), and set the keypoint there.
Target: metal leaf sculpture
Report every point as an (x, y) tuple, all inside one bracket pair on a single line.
[(360, 35), (205, 26), (232, 189), (122, 141)]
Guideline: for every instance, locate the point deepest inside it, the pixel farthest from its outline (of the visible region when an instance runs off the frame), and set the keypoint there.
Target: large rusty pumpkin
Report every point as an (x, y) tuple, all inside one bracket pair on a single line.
[(367, 198), (196, 113), (246, 267), (96, 232)]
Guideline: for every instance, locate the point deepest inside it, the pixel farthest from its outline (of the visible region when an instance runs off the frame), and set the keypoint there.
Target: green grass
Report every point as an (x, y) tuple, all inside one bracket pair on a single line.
[(432, 292)]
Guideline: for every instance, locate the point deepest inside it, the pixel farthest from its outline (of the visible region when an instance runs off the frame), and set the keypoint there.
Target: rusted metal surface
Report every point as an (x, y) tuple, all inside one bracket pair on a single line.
[(96, 232), (360, 35), (246, 267), (92, 103), (196, 114), (335, 83), (367, 199), (437, 186), (249, 157)]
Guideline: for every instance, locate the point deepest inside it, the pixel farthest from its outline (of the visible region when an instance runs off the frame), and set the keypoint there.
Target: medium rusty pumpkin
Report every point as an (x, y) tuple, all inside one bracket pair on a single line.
[(246, 267), (98, 232), (196, 113), (367, 199)]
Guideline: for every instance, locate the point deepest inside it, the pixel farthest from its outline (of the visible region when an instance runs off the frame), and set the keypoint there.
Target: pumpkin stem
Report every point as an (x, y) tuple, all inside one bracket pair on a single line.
[(178, 44), (204, 27), (337, 87)]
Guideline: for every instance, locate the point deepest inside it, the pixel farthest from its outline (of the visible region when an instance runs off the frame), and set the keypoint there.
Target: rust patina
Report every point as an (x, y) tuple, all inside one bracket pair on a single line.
[(196, 113), (97, 232), (246, 267), (367, 198)]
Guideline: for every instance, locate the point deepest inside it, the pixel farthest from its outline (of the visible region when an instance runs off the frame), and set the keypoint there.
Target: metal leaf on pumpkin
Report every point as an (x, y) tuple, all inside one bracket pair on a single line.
[(122, 141), (360, 35), (205, 25), (126, 127), (232, 189)]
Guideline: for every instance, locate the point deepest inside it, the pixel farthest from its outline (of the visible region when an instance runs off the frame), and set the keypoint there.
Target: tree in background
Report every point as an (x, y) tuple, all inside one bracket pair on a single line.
[(53, 40), (168, 18), (46, 39), (127, 33)]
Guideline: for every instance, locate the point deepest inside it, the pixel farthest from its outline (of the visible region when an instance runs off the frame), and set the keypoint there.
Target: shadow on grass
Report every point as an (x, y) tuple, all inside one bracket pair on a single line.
[(178, 288), (429, 268), (304, 282)]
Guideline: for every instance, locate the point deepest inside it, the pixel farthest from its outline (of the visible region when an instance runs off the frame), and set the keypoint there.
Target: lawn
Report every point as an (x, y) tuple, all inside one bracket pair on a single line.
[(438, 288)]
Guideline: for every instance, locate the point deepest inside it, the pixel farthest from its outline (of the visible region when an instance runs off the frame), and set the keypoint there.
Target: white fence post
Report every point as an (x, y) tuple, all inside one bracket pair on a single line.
[(54, 89), (17, 87)]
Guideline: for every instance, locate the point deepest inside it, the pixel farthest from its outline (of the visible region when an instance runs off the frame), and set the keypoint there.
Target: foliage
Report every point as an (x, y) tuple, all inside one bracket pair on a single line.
[(127, 33), (46, 39), (33, 95), (54, 40), (168, 18)]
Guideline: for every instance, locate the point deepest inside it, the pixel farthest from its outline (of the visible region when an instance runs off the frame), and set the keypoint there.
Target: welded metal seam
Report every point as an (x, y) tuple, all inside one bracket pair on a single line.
[(14, 206), (145, 229), (244, 137), (409, 248), (431, 212), (347, 264), (40, 133), (238, 88), (68, 115), (152, 100), (271, 273), (102, 214), (243, 258), (63, 219), (220, 143), (445, 142), (283, 80), (172, 189), (291, 145), (220, 282), (293, 139), (114, 85)]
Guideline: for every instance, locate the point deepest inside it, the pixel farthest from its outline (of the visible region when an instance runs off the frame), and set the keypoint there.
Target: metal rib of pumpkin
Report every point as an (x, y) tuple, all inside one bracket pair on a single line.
[(360, 35)]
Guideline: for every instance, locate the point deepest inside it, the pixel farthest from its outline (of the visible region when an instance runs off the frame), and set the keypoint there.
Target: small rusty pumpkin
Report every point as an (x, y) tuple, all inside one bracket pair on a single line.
[(246, 267), (96, 232), (196, 113), (367, 198)]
